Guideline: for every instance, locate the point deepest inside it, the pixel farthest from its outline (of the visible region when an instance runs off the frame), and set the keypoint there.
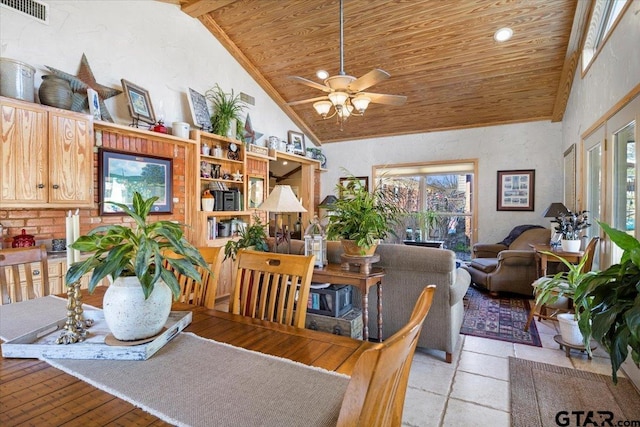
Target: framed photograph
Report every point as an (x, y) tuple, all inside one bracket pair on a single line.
[(199, 110), (140, 106), (346, 180), (121, 174), (256, 191), (297, 139), (516, 190), (94, 104)]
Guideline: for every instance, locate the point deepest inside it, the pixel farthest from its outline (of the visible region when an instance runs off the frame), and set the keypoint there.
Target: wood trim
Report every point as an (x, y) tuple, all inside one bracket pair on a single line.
[(198, 8), (613, 110)]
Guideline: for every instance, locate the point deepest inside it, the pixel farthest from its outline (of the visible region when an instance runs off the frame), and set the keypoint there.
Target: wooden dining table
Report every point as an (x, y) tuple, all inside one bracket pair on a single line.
[(34, 393)]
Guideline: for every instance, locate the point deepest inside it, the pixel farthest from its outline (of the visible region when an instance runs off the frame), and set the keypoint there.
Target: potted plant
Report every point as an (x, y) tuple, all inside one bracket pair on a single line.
[(361, 218), (550, 290), (570, 225), (227, 107), (138, 302), (614, 315), (253, 236)]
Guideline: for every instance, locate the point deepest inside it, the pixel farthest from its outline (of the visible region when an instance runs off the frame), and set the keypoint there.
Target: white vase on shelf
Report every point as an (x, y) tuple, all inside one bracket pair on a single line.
[(570, 245)]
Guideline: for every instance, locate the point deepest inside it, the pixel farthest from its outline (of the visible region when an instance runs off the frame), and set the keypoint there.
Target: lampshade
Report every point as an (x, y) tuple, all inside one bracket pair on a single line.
[(322, 107), (282, 199), (328, 201), (338, 98), (555, 210), (361, 103)]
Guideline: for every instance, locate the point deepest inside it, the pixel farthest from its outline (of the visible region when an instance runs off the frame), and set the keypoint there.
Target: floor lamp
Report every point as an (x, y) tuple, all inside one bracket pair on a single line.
[(281, 200)]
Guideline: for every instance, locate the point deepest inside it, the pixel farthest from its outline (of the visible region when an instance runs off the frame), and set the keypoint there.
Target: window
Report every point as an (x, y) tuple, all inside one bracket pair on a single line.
[(439, 199), (604, 16)]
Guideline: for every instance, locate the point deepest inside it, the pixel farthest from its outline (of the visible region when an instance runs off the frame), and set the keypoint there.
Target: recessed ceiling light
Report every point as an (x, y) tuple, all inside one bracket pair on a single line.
[(322, 74), (503, 34), (285, 163)]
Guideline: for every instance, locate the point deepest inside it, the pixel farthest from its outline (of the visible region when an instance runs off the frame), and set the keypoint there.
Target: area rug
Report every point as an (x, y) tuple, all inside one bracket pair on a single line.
[(501, 318), (546, 395)]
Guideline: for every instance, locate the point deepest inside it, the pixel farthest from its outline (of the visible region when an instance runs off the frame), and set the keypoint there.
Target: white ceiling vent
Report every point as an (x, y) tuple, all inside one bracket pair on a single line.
[(33, 8)]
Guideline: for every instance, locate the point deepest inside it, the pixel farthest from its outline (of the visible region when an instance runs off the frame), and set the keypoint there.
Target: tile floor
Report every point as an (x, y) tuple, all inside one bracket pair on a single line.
[(474, 389)]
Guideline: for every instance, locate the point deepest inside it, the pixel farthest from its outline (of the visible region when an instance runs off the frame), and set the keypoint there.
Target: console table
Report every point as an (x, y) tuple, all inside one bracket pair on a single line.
[(334, 274)]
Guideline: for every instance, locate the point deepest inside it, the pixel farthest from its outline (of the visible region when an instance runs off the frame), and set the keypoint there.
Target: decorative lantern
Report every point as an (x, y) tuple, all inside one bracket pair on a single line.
[(315, 242)]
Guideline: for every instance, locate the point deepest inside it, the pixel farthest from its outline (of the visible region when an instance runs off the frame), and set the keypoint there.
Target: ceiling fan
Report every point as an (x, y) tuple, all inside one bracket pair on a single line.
[(344, 92)]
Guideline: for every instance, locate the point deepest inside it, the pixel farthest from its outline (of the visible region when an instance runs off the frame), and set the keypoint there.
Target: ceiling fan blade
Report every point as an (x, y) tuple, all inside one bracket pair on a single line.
[(306, 101), (381, 98), (310, 83), (372, 77)]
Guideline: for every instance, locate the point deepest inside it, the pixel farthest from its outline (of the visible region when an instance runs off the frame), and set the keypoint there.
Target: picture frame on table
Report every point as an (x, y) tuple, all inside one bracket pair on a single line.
[(363, 180), (139, 102), (120, 174), (94, 104), (297, 139), (516, 190), (199, 110)]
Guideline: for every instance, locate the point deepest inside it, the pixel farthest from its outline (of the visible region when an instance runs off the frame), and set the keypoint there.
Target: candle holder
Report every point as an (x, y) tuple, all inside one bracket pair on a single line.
[(75, 330)]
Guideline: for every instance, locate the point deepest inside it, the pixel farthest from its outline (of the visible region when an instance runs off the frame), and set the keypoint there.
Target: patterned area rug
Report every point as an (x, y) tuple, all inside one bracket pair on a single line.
[(502, 318)]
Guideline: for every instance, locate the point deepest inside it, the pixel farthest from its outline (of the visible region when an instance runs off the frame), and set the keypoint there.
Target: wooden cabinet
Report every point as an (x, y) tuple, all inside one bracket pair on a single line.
[(46, 156)]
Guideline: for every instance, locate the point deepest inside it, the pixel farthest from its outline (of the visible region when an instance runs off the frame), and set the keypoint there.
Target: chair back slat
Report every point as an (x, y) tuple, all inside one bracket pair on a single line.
[(376, 391), (19, 279), (204, 293), (271, 286), (590, 253)]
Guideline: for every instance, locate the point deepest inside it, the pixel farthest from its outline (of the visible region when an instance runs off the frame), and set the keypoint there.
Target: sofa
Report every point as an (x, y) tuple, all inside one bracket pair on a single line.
[(408, 270), (511, 265)]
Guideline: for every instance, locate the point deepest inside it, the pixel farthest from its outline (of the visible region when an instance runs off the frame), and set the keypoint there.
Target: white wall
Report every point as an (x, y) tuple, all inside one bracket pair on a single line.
[(535, 145), (150, 43)]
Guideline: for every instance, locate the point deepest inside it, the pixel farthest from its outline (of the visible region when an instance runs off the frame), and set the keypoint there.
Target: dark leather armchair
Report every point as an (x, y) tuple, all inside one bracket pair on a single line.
[(509, 266)]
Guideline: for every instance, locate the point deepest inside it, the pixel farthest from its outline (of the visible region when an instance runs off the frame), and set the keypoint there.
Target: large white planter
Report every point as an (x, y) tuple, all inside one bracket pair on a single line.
[(570, 245), (569, 329), (129, 316)]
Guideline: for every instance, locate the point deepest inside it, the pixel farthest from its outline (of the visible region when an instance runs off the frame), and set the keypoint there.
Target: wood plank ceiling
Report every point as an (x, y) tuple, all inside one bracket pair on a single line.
[(440, 54)]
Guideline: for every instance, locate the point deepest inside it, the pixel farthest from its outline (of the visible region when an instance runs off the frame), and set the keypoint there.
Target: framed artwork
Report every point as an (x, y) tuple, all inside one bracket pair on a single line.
[(199, 110), (570, 178), (297, 139), (256, 191), (94, 104), (363, 180), (139, 105), (121, 174), (516, 190)]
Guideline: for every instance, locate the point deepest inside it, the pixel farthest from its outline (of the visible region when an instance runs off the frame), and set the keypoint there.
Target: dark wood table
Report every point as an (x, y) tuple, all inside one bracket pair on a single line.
[(335, 274), (34, 393), (544, 259)]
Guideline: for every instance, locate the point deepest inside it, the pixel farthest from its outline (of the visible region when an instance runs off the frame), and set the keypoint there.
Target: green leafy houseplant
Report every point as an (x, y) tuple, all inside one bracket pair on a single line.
[(227, 106), (571, 224), (254, 235), (614, 315), (362, 216), (120, 251)]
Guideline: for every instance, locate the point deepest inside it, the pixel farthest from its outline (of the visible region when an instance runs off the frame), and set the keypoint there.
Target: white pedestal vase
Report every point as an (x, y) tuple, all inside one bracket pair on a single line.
[(570, 245), (129, 316), (570, 330)]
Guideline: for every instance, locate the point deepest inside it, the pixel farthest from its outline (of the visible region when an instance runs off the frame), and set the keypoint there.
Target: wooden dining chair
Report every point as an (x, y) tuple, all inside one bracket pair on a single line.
[(273, 287), (564, 306), (376, 391), (20, 280), (204, 293)]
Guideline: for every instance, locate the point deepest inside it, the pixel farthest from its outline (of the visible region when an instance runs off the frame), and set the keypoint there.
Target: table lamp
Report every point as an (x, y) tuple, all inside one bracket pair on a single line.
[(327, 205), (554, 210), (281, 200)]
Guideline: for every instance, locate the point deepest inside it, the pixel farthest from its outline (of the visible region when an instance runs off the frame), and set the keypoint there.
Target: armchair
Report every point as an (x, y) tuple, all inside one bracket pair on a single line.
[(508, 266)]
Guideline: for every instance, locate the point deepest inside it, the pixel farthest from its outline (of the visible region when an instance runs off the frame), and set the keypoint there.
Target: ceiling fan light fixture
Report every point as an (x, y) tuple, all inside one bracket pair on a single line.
[(338, 98), (361, 102), (322, 107), (503, 34)]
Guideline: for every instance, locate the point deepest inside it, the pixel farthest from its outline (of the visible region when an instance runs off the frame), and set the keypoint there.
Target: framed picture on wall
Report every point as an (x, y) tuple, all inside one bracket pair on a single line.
[(121, 174), (297, 139), (516, 190), (345, 181)]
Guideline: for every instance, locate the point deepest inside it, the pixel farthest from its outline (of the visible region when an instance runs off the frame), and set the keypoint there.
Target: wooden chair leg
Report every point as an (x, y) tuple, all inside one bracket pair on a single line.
[(530, 318), (448, 357)]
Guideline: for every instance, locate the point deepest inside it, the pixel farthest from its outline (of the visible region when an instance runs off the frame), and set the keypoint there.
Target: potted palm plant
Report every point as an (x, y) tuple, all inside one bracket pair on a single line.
[(613, 317), (360, 219), (227, 107), (137, 303)]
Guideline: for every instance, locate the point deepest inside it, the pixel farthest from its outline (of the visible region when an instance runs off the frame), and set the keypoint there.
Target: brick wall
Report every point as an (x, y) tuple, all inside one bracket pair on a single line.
[(47, 224)]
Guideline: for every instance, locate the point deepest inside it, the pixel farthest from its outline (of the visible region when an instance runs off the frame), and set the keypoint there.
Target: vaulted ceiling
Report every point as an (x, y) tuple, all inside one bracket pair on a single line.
[(440, 54)]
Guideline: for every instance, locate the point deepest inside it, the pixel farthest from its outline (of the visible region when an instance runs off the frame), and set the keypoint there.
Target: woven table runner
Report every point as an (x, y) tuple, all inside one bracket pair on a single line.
[(194, 381)]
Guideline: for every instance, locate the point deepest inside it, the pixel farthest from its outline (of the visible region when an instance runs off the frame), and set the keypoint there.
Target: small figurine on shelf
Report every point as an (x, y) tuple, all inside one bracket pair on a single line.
[(205, 170), (237, 176), (159, 127)]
